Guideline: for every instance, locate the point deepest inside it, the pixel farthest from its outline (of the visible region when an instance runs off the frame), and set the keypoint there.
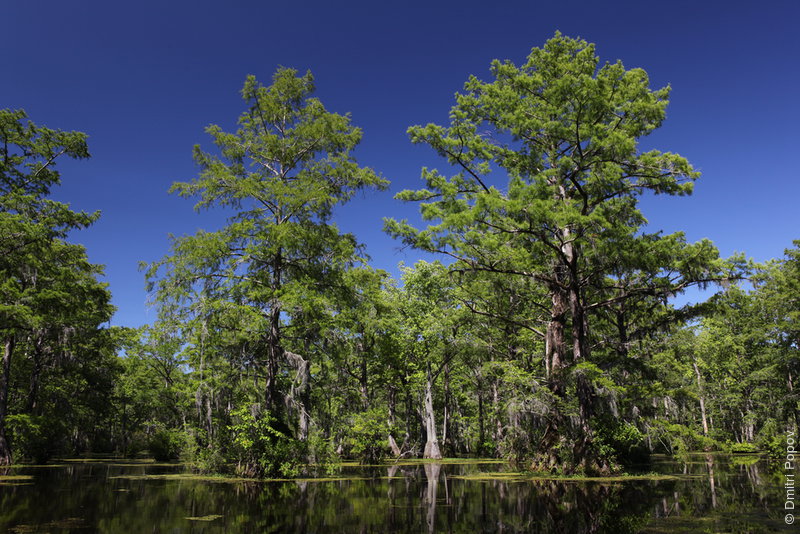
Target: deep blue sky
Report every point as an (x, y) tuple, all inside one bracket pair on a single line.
[(144, 78)]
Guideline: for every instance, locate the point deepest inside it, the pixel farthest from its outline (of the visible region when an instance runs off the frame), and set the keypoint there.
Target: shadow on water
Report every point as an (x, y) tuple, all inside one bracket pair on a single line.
[(709, 494)]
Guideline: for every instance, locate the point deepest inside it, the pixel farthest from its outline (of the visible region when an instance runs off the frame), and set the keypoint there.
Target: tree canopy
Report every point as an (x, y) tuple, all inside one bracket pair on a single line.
[(544, 331)]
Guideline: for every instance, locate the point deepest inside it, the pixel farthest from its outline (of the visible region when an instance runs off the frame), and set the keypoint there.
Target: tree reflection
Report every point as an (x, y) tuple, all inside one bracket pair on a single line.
[(429, 497)]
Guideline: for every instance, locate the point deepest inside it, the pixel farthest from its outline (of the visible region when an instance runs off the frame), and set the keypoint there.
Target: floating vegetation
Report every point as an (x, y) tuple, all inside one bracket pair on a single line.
[(68, 523), (205, 518), (28, 466), (230, 479), (509, 476), (10, 478), (443, 461), (119, 462), (183, 476)]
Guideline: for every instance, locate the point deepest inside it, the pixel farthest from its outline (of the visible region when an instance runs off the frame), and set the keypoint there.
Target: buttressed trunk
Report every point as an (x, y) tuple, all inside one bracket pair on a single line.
[(392, 442), (302, 390), (559, 359), (432, 443)]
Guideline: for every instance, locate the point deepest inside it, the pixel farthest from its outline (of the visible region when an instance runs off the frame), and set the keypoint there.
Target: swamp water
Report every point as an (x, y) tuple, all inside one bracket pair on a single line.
[(707, 493)]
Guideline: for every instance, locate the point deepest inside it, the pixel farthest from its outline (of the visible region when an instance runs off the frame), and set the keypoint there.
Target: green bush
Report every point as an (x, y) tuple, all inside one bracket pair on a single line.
[(166, 444), (771, 441), (260, 449), (742, 447), (34, 438), (620, 442), (368, 436), (679, 440), (206, 458), (322, 453)]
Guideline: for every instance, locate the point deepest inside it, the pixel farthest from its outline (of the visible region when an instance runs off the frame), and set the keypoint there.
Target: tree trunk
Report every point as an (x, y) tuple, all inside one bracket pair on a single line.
[(275, 351), (432, 442), (792, 401), (702, 397), (392, 443), (583, 450), (275, 354), (432, 472), (5, 378), (497, 431), (554, 339), (33, 389), (446, 419), (555, 359), (303, 392), (481, 428), (364, 383)]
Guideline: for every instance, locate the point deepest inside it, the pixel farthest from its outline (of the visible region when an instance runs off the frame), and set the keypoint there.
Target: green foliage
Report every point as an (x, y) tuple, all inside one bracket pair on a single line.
[(679, 439), (259, 297), (368, 436), (620, 442), (260, 449), (548, 340), (742, 448), (203, 459), (52, 305), (543, 197), (772, 441), (35, 438), (166, 444)]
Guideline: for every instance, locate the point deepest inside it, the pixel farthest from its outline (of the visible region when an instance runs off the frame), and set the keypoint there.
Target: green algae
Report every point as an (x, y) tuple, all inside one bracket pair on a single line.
[(211, 517), (68, 524), (16, 480), (520, 476), (184, 476)]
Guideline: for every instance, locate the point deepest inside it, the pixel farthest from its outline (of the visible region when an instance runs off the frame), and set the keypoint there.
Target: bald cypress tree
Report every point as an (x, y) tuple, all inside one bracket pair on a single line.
[(278, 263), (546, 179)]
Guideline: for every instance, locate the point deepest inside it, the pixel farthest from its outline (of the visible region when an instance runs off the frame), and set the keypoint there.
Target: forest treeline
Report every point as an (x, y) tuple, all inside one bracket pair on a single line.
[(545, 335)]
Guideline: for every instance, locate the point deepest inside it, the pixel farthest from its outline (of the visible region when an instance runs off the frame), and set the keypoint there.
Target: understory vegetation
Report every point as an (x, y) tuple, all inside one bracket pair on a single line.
[(547, 334)]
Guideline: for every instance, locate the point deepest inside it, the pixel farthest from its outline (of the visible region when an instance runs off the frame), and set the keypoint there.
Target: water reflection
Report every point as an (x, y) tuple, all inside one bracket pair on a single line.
[(716, 494)]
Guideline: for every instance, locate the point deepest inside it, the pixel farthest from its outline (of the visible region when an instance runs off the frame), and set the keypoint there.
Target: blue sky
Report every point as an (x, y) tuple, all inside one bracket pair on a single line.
[(144, 78)]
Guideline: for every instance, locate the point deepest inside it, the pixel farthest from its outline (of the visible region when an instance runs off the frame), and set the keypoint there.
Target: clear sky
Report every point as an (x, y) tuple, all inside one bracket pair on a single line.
[(144, 78)]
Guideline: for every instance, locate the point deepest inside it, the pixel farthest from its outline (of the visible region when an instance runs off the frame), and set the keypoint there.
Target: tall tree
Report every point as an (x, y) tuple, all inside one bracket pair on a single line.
[(47, 286), (548, 177), (278, 262), (428, 317), (778, 293)]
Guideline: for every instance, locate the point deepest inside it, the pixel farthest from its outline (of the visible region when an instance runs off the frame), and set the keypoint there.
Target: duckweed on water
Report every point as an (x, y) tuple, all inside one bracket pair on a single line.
[(229, 479), (68, 523), (205, 518), (511, 476), (11, 478)]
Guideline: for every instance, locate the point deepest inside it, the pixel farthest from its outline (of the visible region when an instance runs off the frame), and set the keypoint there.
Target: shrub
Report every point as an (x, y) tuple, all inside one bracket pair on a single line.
[(620, 442), (261, 449), (369, 436), (167, 444), (742, 448), (34, 437)]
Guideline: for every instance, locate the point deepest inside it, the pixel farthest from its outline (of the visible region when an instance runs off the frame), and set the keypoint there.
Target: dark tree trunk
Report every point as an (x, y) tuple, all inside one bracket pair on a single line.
[(275, 354), (5, 378), (275, 350), (33, 389)]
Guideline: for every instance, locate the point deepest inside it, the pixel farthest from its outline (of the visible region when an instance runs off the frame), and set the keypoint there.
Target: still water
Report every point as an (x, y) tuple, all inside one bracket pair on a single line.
[(707, 493)]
